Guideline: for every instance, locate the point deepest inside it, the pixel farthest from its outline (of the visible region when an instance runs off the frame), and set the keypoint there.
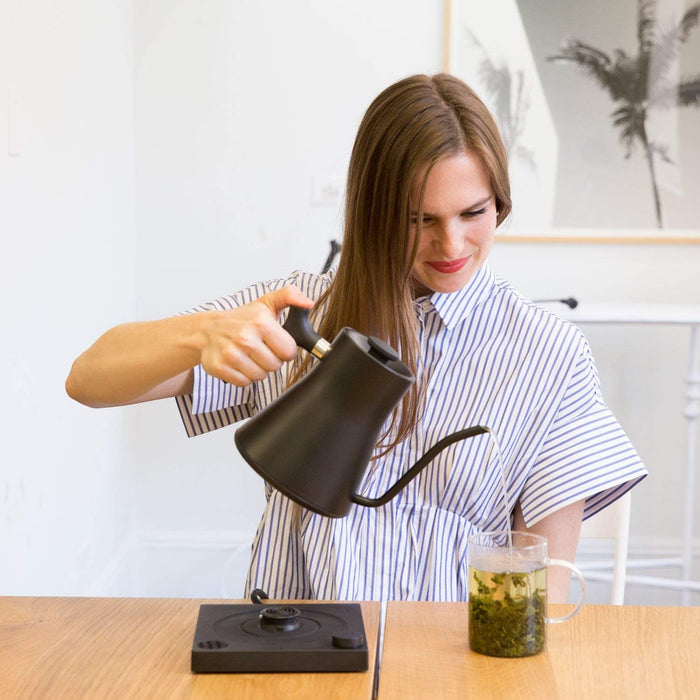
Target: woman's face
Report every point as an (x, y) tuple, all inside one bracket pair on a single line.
[(459, 221)]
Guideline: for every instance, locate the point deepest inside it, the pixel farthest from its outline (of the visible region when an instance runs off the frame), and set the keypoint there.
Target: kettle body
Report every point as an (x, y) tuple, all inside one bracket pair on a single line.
[(314, 442)]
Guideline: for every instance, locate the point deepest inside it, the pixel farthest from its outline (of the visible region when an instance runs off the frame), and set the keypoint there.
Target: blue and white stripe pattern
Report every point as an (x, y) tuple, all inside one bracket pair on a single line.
[(489, 357)]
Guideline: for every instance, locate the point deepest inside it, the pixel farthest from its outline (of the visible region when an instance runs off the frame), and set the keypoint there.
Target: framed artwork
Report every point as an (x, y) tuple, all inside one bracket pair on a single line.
[(598, 104)]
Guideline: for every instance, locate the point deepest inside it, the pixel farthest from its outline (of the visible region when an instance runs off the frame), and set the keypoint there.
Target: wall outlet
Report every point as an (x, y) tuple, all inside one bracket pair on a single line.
[(327, 190), (14, 141)]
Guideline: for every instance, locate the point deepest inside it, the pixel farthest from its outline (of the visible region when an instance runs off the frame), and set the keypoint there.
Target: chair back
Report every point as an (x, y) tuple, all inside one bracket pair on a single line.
[(611, 523)]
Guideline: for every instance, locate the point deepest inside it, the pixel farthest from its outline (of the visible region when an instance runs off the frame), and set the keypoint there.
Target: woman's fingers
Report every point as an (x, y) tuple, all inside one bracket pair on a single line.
[(280, 299), (247, 343)]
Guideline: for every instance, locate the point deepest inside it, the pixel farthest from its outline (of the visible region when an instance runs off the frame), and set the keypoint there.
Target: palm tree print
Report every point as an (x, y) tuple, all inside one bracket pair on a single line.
[(510, 95), (641, 83)]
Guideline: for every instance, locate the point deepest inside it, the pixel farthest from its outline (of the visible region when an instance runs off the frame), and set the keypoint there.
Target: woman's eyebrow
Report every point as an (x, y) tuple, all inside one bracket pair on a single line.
[(476, 205), (481, 203)]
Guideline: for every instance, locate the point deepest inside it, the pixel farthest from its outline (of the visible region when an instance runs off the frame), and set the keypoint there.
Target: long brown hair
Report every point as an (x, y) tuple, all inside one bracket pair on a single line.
[(406, 130)]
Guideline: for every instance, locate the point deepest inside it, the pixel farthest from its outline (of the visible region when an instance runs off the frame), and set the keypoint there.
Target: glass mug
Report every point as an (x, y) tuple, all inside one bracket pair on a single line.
[(508, 593)]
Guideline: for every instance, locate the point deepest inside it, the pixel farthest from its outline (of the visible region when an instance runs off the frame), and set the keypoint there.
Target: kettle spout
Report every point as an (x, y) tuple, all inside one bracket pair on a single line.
[(419, 466)]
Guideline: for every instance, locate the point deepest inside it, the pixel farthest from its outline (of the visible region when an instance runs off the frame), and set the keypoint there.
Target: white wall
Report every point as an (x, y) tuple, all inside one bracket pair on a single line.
[(237, 106), (67, 271)]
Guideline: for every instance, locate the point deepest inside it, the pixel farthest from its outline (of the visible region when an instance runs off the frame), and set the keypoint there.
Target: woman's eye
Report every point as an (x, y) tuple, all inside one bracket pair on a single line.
[(474, 213)]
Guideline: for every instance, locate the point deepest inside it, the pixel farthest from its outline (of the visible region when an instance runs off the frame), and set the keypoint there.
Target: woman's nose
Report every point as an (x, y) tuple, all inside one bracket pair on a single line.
[(450, 240)]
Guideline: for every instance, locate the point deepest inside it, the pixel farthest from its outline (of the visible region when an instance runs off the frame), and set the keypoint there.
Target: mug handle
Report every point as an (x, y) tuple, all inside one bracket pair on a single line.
[(582, 582)]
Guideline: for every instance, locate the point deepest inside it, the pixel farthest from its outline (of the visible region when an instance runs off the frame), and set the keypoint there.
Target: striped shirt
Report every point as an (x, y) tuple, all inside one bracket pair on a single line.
[(488, 357)]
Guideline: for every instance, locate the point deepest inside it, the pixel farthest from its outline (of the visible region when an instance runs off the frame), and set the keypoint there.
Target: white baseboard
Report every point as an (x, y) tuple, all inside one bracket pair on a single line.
[(194, 539), (111, 580), (213, 564), (181, 563), (639, 546)]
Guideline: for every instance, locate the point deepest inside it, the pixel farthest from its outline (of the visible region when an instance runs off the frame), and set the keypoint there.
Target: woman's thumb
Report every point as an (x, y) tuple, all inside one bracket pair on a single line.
[(280, 299)]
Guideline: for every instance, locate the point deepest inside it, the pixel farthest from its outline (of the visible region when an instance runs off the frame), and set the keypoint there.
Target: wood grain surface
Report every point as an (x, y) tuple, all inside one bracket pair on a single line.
[(603, 652), (138, 648)]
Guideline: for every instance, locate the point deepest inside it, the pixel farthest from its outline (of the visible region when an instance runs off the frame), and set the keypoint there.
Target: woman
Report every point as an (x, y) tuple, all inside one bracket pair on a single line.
[(427, 187)]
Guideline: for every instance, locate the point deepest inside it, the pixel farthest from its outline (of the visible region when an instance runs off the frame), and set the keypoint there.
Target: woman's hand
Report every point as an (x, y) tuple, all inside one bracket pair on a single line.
[(137, 362), (243, 345)]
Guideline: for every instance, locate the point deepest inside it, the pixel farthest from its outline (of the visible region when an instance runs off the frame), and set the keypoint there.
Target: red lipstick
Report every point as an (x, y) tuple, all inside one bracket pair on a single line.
[(448, 267)]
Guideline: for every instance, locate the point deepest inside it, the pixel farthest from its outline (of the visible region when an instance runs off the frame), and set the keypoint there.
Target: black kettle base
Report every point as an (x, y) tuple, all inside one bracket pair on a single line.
[(288, 638)]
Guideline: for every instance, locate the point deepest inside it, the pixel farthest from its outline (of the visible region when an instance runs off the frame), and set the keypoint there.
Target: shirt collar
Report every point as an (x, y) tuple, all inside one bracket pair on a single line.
[(454, 307)]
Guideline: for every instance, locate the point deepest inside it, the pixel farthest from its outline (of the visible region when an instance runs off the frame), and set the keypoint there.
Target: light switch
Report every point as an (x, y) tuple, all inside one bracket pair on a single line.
[(14, 148), (327, 190)]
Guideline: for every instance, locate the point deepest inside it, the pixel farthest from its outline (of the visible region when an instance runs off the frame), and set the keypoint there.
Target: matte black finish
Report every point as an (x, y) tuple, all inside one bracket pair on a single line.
[(418, 467), (314, 442), (300, 328), (249, 638)]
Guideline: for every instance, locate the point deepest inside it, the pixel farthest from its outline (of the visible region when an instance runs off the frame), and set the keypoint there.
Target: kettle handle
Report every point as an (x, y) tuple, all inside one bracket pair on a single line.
[(299, 327), (423, 462)]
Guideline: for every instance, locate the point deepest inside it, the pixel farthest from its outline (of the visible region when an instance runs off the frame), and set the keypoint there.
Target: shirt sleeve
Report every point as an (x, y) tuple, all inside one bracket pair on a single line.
[(585, 454), (214, 403)]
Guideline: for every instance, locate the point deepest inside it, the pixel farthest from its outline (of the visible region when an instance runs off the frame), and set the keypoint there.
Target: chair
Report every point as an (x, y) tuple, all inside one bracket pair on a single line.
[(611, 523)]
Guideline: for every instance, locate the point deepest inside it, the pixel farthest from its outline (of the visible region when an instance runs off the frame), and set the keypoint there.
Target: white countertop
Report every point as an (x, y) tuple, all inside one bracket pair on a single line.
[(600, 312)]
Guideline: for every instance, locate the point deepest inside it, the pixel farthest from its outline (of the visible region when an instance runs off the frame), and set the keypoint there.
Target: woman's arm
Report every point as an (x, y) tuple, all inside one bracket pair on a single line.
[(137, 362), (562, 529)]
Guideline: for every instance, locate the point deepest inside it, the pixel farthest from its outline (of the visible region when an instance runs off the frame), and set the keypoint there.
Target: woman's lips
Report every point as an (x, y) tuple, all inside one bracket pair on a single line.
[(448, 267)]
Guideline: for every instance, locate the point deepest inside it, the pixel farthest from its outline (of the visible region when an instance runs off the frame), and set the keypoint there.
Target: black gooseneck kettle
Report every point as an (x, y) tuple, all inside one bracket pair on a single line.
[(313, 443)]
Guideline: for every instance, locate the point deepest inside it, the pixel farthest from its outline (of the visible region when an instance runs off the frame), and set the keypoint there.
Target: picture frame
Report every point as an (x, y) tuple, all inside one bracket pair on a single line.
[(580, 172)]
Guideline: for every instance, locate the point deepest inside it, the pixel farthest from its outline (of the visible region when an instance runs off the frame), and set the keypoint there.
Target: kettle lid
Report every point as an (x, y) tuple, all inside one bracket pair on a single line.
[(381, 350)]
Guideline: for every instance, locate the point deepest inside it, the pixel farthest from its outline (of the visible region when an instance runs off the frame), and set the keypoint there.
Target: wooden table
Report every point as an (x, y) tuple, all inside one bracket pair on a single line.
[(140, 648), (124, 648), (604, 652)]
